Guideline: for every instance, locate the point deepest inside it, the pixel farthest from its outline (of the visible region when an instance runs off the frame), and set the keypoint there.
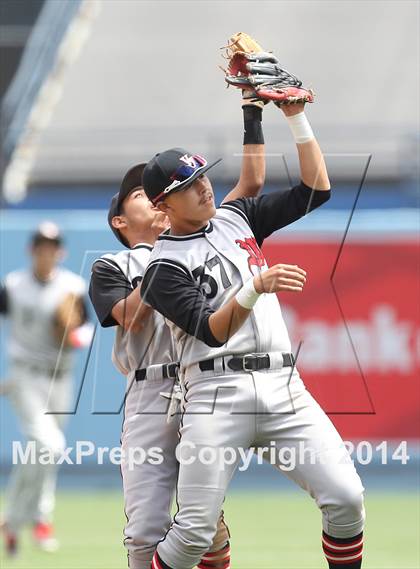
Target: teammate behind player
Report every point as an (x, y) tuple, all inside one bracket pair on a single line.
[(143, 352), (208, 276), (39, 384)]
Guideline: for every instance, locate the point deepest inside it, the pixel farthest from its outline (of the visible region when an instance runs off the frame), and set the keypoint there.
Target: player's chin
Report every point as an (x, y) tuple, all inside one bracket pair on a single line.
[(209, 209)]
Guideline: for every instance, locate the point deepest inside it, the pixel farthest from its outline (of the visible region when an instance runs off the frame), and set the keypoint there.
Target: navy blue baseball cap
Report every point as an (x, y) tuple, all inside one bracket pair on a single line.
[(172, 171), (131, 181)]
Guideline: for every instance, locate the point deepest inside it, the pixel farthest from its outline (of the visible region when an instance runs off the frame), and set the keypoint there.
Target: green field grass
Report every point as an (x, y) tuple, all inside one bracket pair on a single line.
[(269, 531)]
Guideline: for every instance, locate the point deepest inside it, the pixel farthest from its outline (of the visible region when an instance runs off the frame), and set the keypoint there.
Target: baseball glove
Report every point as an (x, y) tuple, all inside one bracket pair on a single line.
[(69, 315), (252, 68)]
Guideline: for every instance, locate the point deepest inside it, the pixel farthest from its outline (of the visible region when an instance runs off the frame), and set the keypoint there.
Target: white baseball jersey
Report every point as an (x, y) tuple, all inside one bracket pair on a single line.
[(114, 277), (31, 305), (189, 277)]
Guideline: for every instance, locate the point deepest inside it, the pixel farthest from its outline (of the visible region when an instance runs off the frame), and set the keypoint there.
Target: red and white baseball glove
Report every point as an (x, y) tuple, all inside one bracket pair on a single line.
[(253, 69)]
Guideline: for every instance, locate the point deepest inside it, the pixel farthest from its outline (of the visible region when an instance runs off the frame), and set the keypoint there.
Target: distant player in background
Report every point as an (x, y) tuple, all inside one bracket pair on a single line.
[(39, 383), (143, 352)]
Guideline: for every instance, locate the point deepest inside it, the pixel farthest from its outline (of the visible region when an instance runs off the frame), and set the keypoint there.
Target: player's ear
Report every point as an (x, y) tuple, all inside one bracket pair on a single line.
[(163, 206), (119, 222)]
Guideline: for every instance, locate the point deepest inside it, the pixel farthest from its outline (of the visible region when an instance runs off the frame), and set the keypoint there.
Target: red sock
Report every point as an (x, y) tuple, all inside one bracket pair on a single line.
[(157, 562), (217, 559), (343, 553)]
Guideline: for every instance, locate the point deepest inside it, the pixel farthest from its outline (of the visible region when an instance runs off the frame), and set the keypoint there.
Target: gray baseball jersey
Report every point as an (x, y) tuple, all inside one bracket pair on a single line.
[(114, 277), (30, 306), (189, 277)]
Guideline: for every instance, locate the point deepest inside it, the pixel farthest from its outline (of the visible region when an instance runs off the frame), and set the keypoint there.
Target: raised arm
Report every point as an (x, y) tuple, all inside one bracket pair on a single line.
[(313, 171), (252, 177), (270, 212)]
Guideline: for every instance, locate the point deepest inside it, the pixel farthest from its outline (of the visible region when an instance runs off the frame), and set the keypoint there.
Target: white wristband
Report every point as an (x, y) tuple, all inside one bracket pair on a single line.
[(300, 127), (247, 295)]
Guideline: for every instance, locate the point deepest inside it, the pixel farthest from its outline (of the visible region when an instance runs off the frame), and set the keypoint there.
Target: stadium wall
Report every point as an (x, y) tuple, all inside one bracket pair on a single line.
[(357, 326)]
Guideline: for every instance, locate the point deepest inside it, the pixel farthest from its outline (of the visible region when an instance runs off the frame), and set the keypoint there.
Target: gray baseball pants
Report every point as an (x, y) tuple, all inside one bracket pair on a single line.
[(270, 408), (150, 483), (40, 404)]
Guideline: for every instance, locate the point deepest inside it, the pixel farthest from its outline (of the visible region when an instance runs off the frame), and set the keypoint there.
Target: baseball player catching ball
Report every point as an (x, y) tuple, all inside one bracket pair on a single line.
[(39, 387), (208, 277), (143, 352)]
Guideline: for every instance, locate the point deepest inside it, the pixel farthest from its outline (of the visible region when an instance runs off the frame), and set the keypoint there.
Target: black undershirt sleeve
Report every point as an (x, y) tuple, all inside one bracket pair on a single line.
[(108, 285), (270, 212), (172, 291), (3, 300)]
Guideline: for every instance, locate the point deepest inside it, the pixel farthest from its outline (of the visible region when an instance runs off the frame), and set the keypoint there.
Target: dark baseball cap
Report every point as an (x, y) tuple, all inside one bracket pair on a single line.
[(47, 232), (172, 171), (131, 181)]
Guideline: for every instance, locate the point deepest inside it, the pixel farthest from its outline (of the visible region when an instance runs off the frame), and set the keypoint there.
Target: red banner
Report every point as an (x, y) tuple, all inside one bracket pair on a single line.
[(359, 333)]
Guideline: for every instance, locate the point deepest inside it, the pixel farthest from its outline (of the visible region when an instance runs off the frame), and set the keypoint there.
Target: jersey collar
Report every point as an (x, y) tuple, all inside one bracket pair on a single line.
[(142, 245), (200, 233)]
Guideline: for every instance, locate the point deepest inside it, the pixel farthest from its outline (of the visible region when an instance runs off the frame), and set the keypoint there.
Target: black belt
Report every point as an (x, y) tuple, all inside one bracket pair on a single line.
[(169, 371), (251, 362)]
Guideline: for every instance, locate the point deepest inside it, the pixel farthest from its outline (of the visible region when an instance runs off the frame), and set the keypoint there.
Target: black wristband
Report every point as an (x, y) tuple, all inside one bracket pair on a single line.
[(253, 133)]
